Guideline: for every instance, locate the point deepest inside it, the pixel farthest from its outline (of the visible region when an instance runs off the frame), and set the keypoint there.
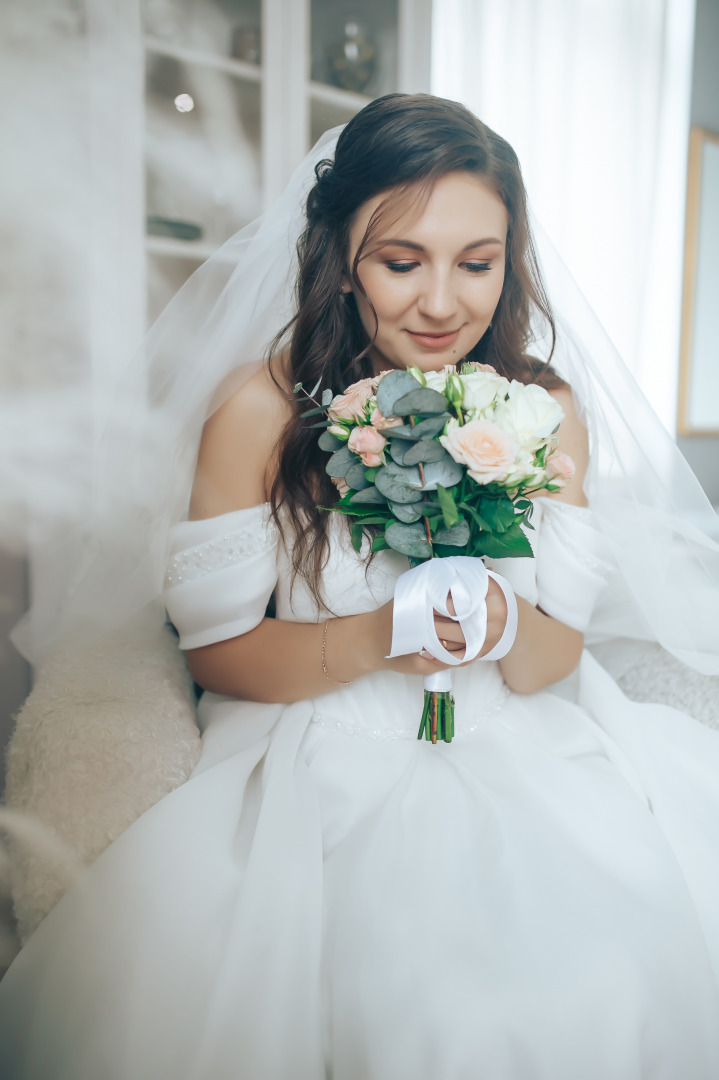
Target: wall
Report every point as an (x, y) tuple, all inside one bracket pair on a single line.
[(702, 452)]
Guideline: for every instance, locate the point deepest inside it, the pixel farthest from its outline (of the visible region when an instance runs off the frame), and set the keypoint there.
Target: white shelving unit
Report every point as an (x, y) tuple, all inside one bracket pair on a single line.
[(223, 132)]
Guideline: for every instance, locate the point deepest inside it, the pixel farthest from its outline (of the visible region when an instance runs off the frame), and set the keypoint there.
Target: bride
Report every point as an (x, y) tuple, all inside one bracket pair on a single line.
[(327, 896)]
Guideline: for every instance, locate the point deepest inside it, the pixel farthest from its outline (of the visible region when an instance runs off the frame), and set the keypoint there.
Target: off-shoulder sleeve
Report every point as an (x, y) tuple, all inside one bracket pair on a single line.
[(220, 575), (572, 562)]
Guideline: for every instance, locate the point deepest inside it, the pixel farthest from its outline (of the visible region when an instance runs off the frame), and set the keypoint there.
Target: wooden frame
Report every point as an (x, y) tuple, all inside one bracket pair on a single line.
[(696, 201)]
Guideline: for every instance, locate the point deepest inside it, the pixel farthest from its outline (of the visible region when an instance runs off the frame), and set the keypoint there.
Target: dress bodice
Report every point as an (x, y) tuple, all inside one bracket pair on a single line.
[(223, 571)]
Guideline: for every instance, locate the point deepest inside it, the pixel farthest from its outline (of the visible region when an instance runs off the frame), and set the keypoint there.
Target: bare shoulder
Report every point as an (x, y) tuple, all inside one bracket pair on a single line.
[(237, 452), (573, 440)]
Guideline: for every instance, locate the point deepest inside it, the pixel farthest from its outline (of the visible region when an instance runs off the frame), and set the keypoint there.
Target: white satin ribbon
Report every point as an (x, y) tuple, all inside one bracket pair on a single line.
[(424, 589)]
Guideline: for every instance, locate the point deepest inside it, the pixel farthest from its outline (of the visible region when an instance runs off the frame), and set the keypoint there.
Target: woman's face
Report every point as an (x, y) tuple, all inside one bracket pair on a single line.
[(435, 277)]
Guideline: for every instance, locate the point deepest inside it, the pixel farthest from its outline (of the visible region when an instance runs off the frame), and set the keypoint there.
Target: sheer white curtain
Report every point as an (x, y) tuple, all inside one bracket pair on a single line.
[(594, 96)]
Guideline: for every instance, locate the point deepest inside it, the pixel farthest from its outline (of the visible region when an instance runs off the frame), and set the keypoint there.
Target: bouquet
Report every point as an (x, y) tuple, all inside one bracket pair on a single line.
[(440, 464)]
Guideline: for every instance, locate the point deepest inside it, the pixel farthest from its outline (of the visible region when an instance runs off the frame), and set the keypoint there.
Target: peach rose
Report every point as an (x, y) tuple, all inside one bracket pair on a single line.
[(481, 445), (560, 467), (381, 423), (351, 404), (368, 443)]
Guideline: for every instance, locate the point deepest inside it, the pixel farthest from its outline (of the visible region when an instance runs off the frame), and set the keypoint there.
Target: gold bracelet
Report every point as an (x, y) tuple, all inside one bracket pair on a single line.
[(324, 661)]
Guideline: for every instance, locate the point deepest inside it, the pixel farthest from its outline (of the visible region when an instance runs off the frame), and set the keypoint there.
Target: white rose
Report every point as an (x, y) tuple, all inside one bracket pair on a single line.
[(481, 390), (530, 413), (436, 380)]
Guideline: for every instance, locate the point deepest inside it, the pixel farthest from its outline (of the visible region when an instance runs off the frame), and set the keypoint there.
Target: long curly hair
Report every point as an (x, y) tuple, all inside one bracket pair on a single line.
[(396, 143)]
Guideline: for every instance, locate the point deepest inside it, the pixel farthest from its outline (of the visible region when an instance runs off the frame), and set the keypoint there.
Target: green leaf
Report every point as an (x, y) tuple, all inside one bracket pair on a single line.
[(379, 544), (341, 462), (322, 424), (474, 513), (421, 401), (498, 513), (357, 535), (408, 539), (329, 442), (311, 412), (457, 536), (512, 544), (425, 450), (327, 396), (449, 507), (371, 473), (355, 477), (315, 388), (392, 387), (297, 388)]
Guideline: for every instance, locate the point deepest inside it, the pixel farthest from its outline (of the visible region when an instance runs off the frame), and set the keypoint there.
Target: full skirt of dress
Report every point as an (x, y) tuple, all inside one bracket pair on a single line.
[(327, 897)]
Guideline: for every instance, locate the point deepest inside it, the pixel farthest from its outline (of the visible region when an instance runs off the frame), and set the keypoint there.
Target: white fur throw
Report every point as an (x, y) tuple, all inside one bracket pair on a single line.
[(107, 731)]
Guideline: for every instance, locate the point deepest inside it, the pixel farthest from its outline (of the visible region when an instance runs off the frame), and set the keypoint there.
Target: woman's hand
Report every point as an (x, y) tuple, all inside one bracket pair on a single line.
[(448, 631)]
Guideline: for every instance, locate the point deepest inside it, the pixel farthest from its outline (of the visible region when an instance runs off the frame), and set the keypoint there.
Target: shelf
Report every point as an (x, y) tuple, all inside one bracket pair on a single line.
[(179, 249), (240, 69), (333, 95)]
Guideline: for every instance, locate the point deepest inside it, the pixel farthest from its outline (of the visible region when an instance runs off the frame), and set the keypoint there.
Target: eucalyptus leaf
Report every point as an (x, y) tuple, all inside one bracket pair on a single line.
[(425, 450), (433, 425), (398, 449), (446, 472), (341, 461), (402, 431), (329, 442), (421, 401), (399, 484), (408, 539), (391, 387), (315, 388), (311, 412), (457, 536), (369, 496), (406, 512), (355, 477), (327, 396)]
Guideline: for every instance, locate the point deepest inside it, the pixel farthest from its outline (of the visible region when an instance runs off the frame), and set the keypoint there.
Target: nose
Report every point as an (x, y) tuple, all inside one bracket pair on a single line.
[(438, 299)]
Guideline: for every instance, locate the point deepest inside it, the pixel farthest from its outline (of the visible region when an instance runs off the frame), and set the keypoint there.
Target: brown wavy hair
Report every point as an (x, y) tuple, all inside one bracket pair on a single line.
[(397, 144)]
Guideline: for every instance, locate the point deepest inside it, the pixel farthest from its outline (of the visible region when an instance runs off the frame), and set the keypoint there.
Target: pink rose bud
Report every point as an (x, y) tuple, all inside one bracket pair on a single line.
[(560, 467), (351, 404), (381, 423), (368, 443)]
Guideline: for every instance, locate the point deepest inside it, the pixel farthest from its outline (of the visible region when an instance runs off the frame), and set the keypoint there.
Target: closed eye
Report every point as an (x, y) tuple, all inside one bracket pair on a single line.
[(476, 267), (401, 267)]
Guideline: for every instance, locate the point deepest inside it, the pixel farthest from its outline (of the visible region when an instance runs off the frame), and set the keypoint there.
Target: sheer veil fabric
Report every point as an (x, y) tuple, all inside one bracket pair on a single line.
[(212, 337), (245, 920)]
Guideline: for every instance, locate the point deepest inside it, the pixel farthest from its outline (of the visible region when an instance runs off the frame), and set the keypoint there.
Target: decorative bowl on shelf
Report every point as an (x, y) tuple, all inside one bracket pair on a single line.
[(246, 44), (178, 230), (352, 59)]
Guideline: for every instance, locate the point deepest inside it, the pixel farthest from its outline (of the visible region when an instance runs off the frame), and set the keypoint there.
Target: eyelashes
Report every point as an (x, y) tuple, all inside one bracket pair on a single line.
[(405, 267)]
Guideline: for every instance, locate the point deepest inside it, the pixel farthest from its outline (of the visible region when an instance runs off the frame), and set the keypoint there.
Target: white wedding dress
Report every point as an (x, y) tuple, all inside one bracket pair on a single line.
[(327, 897)]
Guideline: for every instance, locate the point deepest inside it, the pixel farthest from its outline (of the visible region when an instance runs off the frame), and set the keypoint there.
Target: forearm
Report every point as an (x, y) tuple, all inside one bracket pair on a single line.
[(544, 652), (281, 661)]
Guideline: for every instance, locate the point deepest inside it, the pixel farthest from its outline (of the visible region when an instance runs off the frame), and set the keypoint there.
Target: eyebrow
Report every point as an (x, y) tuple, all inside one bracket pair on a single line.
[(418, 247)]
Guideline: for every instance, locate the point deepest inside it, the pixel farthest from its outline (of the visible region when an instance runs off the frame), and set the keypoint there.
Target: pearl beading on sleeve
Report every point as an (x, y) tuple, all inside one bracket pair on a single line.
[(221, 552)]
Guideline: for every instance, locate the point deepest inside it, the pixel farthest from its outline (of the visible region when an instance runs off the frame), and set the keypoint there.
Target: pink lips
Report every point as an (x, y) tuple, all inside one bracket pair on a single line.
[(434, 341)]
